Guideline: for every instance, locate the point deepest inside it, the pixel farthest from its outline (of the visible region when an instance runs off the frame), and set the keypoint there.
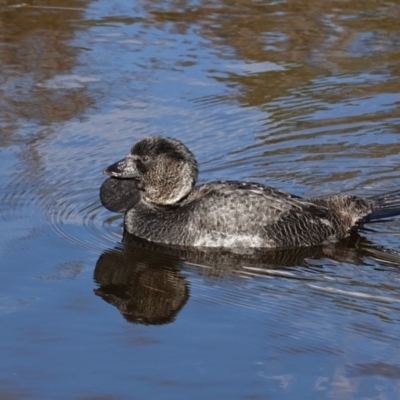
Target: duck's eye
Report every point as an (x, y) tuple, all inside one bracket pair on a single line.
[(145, 158)]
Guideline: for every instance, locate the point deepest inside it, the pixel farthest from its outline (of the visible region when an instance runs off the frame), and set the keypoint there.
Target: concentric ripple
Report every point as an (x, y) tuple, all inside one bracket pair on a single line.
[(72, 209)]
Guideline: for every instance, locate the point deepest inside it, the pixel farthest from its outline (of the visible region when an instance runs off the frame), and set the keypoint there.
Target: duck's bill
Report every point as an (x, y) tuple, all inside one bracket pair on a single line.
[(125, 169)]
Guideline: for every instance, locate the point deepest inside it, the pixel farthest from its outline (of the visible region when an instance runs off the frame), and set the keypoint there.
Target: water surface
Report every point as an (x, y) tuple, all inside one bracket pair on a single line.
[(301, 96)]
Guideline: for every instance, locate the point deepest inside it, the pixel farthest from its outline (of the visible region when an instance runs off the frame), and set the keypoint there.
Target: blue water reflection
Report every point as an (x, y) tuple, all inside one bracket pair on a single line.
[(300, 96)]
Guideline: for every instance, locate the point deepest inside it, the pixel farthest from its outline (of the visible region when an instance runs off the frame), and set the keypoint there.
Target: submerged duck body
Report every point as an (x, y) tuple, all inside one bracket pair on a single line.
[(163, 205)]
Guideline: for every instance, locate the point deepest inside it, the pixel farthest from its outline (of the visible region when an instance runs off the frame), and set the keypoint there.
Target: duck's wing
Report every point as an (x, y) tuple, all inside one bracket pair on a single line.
[(275, 217), (248, 199), (231, 202)]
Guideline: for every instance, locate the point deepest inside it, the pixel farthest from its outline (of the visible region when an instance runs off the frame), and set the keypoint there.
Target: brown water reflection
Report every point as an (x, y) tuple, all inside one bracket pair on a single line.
[(285, 45), (303, 96), (36, 49)]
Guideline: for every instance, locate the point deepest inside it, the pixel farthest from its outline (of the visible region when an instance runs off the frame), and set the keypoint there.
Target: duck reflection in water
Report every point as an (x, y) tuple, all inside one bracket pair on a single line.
[(147, 281), (147, 287)]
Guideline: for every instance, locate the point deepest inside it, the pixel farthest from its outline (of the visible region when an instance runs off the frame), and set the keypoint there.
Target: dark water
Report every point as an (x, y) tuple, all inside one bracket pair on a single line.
[(304, 96)]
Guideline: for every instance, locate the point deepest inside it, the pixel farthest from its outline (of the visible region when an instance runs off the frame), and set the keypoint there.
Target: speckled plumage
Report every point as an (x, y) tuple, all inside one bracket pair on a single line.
[(170, 209)]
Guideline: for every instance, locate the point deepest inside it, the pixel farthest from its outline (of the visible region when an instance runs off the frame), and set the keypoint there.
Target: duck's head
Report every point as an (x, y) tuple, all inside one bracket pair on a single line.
[(165, 169)]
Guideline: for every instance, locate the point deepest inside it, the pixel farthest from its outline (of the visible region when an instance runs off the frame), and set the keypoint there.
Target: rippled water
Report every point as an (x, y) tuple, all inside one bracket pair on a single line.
[(301, 96)]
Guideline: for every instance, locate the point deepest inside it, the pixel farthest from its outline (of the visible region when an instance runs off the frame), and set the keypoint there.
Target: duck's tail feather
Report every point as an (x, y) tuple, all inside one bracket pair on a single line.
[(384, 207)]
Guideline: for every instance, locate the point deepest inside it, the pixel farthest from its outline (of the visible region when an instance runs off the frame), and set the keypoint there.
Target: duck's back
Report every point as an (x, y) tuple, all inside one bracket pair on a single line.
[(237, 214), (252, 215)]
